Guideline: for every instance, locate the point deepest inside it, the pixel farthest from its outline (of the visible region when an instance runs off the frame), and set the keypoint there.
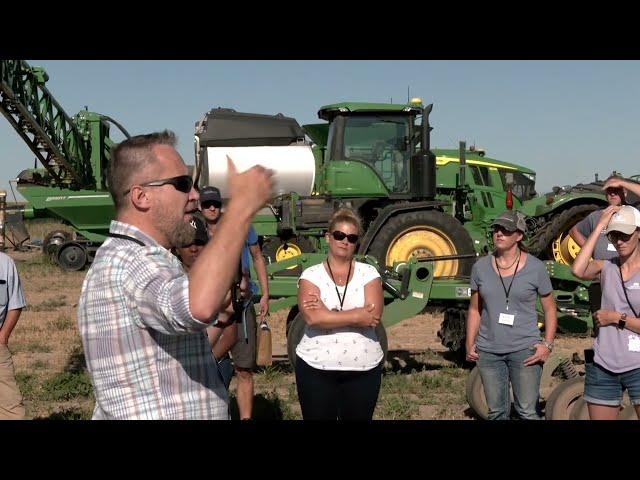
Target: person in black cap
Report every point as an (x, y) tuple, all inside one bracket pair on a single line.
[(189, 252), (241, 342), (502, 322)]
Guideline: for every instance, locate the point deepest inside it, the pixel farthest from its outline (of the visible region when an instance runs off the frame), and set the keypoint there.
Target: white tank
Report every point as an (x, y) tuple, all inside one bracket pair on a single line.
[(294, 166)]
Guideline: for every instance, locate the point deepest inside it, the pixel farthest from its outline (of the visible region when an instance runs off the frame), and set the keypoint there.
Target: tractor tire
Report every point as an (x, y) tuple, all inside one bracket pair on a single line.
[(381, 333), (475, 394), (476, 399), (553, 242), (295, 332), (580, 410), (72, 256), (426, 233), (276, 249), (453, 331), (52, 242), (563, 399)]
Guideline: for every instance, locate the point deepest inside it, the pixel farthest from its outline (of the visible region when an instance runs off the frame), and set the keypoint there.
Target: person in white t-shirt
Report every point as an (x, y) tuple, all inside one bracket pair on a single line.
[(339, 359)]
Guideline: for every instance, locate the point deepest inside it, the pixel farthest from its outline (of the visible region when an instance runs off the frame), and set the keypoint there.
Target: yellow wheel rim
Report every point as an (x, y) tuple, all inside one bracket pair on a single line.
[(424, 242), (565, 249), (291, 250)]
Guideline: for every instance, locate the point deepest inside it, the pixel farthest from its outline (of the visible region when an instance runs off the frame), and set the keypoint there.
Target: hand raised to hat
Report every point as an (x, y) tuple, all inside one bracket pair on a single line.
[(615, 182), (253, 188), (607, 213)]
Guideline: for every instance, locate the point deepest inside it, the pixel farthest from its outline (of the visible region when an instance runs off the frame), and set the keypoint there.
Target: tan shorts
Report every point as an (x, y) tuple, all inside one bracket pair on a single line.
[(11, 407)]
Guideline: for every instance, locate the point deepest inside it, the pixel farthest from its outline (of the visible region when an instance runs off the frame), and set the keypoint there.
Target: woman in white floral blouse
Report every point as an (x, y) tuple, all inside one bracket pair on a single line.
[(339, 359)]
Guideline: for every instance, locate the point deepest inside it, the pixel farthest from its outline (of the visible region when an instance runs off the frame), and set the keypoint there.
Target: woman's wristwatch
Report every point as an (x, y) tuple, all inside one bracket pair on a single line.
[(549, 345), (623, 321)]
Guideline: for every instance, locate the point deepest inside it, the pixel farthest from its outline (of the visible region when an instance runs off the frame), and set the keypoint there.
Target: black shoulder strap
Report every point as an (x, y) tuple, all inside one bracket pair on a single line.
[(624, 289), (126, 237)]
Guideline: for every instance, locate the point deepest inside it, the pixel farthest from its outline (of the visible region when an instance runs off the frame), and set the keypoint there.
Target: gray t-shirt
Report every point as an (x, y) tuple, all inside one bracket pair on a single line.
[(11, 295), (529, 282), (618, 350), (604, 250)]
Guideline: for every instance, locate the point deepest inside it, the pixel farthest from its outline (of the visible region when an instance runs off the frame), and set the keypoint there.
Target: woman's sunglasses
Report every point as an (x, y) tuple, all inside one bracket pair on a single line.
[(615, 236), (182, 183), (339, 236)]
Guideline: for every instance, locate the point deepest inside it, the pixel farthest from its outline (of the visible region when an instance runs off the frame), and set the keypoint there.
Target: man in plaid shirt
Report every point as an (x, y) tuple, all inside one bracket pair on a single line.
[(141, 318)]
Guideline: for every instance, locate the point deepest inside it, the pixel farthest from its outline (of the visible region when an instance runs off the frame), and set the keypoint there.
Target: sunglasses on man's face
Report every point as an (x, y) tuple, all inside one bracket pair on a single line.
[(339, 236), (208, 205), (182, 183), (615, 236), (613, 191)]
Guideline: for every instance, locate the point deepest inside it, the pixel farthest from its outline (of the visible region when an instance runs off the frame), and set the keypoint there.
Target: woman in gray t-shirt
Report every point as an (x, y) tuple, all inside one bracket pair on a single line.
[(502, 322), (616, 363)]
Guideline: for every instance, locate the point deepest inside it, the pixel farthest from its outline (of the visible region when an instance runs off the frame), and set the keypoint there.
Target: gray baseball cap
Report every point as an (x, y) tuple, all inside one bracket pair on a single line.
[(511, 220)]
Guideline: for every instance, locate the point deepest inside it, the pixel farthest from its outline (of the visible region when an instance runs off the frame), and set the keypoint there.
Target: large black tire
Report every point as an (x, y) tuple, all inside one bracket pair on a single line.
[(453, 330), (424, 233), (295, 332), (381, 332), (563, 399), (72, 256), (542, 244), (275, 248)]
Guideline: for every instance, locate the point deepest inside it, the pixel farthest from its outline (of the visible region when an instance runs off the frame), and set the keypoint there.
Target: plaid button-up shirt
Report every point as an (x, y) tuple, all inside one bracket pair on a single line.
[(147, 356)]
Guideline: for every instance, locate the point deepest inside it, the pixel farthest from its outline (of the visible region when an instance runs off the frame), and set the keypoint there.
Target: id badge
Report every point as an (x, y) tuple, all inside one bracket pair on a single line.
[(634, 343), (507, 319)]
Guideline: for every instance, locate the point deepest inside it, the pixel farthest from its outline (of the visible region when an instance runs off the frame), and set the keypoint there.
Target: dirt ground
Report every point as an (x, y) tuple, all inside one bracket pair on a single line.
[(46, 342)]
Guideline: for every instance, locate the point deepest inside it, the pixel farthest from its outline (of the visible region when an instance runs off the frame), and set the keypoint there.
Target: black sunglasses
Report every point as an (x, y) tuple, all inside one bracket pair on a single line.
[(338, 235), (209, 204), (505, 232), (615, 236), (182, 183)]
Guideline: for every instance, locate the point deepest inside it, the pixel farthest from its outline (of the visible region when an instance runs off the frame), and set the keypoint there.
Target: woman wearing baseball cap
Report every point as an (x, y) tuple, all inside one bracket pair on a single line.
[(502, 322), (616, 361)]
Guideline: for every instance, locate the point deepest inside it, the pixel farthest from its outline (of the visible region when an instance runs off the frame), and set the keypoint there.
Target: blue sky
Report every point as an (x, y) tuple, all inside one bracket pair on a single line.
[(564, 119)]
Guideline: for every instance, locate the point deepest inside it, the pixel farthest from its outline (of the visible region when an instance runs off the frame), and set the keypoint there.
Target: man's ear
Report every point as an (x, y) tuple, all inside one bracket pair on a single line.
[(140, 198)]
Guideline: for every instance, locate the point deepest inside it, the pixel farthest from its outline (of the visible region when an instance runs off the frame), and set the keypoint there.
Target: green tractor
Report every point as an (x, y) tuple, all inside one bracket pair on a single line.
[(73, 152), (413, 203)]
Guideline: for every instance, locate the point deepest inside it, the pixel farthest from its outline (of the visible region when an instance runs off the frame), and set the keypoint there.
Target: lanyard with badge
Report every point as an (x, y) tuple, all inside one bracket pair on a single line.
[(634, 340), (507, 318)]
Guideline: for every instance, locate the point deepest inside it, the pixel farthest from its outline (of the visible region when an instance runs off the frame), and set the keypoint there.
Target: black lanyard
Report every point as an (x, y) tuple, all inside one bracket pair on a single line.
[(344, 294), (126, 237), (506, 292), (624, 288)]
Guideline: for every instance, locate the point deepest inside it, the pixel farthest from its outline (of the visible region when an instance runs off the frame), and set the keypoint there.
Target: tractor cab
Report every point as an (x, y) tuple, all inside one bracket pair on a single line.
[(370, 146)]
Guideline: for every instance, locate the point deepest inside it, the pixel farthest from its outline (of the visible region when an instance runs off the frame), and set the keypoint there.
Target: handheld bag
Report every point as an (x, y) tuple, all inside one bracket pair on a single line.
[(263, 345)]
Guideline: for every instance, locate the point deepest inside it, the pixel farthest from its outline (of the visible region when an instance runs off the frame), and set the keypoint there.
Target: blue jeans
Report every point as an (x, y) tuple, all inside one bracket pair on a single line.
[(497, 370)]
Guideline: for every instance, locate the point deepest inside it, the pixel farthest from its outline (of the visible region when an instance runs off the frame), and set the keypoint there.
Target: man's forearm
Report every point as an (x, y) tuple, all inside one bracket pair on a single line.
[(9, 324), (261, 271), (212, 274)]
